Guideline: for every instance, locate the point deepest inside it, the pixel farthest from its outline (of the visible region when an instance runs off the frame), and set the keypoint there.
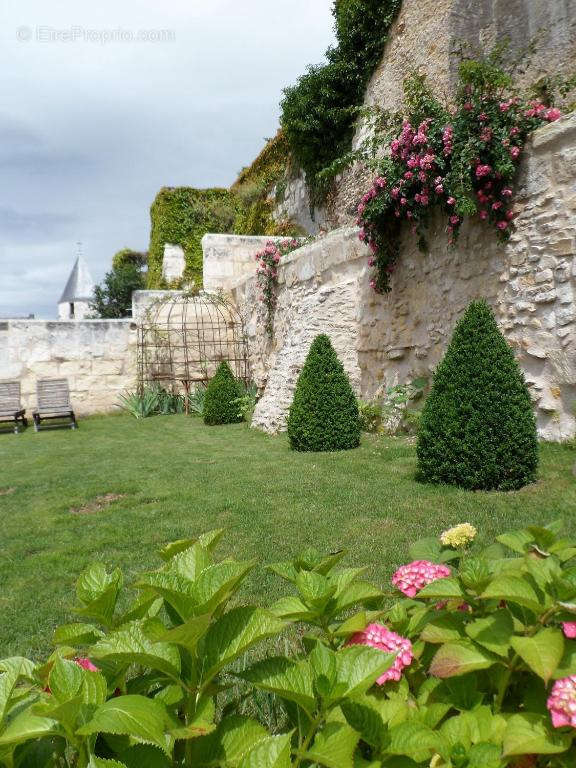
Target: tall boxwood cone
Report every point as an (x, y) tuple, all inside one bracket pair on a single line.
[(478, 429), (221, 393), (324, 413)]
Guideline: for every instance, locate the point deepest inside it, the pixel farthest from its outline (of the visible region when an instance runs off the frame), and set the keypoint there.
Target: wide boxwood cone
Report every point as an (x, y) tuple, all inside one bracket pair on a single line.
[(220, 406), (324, 413), (478, 429)]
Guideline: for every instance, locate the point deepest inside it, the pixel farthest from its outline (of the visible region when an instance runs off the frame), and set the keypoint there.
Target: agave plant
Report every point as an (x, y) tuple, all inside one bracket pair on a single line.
[(140, 404), (196, 400)]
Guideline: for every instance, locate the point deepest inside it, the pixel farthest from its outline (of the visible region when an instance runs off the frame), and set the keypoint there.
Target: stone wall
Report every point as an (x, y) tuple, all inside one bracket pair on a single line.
[(422, 39), (98, 357), (323, 287), (228, 258)]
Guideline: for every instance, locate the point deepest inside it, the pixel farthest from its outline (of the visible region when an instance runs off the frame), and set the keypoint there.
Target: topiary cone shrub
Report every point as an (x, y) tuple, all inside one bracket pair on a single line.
[(478, 429), (324, 413), (222, 393)]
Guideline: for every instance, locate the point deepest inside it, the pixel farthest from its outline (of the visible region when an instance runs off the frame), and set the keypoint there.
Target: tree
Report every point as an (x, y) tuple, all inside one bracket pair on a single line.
[(128, 256), (113, 298), (221, 400), (324, 413), (478, 429)]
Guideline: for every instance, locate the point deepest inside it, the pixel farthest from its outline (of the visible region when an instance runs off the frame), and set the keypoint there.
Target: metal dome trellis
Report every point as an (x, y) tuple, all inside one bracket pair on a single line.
[(184, 337)]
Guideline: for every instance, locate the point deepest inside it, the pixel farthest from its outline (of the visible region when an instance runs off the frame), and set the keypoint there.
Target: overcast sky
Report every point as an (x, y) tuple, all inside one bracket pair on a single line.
[(93, 124)]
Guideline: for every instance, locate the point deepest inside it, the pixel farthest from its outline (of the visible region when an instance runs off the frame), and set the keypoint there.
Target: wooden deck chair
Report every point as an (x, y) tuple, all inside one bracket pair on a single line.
[(10, 405), (53, 396)]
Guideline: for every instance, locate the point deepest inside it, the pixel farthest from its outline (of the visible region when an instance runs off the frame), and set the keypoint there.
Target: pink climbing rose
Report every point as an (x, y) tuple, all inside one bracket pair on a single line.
[(569, 628), (411, 578), (379, 636), (562, 702)]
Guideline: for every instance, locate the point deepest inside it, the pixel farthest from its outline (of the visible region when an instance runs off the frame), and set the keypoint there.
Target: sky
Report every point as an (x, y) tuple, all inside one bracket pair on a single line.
[(103, 103)]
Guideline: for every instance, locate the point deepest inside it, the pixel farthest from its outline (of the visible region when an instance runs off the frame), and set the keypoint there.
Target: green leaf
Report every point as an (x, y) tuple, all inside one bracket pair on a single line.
[(358, 667), (13, 670), (102, 762), (285, 570), (133, 644), (187, 634), (77, 634), (25, 726), (517, 541), (529, 734), (191, 562), (65, 679), (365, 719), (414, 740), (98, 593), (273, 752), (334, 746), (314, 589), (327, 563), (356, 623), (217, 583), (445, 589), (484, 755), (135, 716), (443, 629), (232, 635), (542, 653), (291, 608), (229, 744), (177, 590), (359, 592), (426, 549), (455, 659), (514, 589), (493, 632), (286, 678), (145, 756)]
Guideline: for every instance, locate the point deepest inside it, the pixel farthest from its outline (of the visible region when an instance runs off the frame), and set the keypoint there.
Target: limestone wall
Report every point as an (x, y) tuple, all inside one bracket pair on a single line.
[(323, 287), (98, 357)]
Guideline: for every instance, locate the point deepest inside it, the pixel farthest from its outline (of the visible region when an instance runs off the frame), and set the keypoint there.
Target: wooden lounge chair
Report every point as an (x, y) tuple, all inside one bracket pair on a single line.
[(10, 406), (53, 396)]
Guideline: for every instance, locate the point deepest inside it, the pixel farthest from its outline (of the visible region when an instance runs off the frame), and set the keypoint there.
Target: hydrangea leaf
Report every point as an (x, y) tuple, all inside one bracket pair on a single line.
[(542, 653), (273, 752), (232, 634), (77, 634), (334, 746), (359, 666), (26, 726), (217, 583), (515, 589), (493, 632), (229, 744), (133, 644), (187, 634), (455, 659), (447, 588), (529, 734), (135, 716), (414, 740), (443, 629), (288, 679)]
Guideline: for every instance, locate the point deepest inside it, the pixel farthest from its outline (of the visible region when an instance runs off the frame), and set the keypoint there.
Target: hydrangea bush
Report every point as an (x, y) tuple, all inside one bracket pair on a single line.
[(460, 160), (468, 660)]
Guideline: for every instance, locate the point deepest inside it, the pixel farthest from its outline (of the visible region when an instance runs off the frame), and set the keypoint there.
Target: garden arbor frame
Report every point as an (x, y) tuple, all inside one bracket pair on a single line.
[(183, 338)]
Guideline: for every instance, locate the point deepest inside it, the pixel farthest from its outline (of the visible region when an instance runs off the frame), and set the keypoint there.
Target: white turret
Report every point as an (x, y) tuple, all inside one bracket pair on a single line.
[(76, 297)]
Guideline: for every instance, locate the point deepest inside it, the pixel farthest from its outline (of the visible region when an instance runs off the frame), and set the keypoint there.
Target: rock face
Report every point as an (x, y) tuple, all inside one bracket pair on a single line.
[(422, 39), (173, 263), (530, 282)]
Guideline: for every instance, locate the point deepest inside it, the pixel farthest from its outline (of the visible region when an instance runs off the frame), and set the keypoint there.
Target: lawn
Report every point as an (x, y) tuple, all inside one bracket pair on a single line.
[(175, 478)]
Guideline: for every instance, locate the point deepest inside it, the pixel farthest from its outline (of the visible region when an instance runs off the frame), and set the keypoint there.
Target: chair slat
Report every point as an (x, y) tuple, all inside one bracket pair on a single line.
[(52, 393), (9, 396)]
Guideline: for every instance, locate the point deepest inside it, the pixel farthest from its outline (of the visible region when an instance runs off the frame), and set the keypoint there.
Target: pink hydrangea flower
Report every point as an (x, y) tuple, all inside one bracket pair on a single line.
[(411, 578), (569, 629), (379, 636), (562, 702), (86, 664)]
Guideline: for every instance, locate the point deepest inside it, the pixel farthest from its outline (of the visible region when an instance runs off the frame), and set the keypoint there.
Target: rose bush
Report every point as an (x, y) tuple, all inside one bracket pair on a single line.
[(460, 160), (477, 669), (267, 273)]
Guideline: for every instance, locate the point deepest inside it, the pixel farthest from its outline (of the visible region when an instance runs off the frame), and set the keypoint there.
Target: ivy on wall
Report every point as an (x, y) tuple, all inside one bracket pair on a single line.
[(319, 112), (182, 216)]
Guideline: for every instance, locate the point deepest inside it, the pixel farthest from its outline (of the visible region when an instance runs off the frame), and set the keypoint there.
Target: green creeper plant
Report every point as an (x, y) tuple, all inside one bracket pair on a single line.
[(221, 398), (324, 413), (478, 428)]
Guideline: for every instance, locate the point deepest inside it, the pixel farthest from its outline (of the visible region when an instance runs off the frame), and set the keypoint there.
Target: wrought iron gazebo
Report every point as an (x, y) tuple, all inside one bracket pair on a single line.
[(184, 337)]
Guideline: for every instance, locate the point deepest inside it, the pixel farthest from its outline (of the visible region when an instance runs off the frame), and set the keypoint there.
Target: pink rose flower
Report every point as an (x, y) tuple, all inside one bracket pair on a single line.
[(483, 215), (380, 182), (454, 220), (553, 114), (562, 702), (483, 170), (514, 152), (502, 225), (451, 200), (379, 636), (411, 578)]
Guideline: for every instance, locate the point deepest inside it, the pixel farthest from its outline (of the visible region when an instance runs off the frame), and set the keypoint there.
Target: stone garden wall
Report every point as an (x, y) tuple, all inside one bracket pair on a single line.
[(384, 340), (98, 357)]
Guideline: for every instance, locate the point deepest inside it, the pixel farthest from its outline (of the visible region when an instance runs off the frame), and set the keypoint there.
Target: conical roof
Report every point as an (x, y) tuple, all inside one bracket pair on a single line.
[(80, 286)]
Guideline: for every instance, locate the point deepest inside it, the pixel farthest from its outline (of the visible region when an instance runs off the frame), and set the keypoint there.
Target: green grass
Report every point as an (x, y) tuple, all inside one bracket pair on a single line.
[(180, 478)]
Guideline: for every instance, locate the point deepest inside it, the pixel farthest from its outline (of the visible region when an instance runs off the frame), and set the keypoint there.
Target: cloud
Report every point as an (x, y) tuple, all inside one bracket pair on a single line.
[(90, 131)]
